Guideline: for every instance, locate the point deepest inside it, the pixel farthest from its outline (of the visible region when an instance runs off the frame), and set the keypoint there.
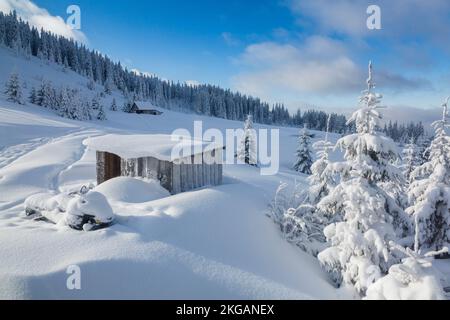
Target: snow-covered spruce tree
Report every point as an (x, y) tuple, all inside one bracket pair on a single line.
[(101, 115), (321, 180), (410, 159), (247, 149), (95, 103), (32, 98), (429, 194), (13, 89), (304, 160), (113, 106), (359, 253)]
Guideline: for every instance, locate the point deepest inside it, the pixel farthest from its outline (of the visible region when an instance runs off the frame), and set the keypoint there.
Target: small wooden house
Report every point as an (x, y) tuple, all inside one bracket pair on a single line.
[(142, 108), (180, 166)]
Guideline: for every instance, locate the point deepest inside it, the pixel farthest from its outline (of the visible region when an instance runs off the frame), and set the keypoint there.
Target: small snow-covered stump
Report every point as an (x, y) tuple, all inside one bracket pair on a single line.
[(86, 210)]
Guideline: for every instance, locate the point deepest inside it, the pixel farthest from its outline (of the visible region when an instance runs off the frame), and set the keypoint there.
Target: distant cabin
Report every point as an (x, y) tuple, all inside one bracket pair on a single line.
[(142, 108), (198, 163)]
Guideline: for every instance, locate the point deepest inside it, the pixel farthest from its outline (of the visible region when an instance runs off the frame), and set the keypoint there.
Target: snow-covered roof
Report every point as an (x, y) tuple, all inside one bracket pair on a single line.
[(159, 146), (146, 105)]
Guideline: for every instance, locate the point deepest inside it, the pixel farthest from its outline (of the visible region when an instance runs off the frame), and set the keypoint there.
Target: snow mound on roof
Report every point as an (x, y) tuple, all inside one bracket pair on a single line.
[(132, 190)]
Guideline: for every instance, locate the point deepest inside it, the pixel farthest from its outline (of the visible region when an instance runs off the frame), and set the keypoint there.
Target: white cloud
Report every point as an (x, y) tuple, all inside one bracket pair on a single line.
[(320, 66), (41, 18), (230, 39), (428, 19)]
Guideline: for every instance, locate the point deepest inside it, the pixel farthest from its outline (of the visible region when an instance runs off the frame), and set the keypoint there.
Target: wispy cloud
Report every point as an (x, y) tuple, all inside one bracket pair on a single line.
[(229, 39), (320, 66), (41, 18)]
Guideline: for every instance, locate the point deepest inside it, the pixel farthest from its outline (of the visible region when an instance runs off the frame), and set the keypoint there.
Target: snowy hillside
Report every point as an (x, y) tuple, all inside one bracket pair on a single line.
[(206, 244)]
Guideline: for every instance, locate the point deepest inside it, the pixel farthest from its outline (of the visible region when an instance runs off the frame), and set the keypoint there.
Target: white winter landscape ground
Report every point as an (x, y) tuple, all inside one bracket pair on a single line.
[(212, 243)]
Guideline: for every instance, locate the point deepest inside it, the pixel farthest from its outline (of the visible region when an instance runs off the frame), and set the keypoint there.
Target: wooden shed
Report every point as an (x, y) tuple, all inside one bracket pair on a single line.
[(143, 108), (180, 166)]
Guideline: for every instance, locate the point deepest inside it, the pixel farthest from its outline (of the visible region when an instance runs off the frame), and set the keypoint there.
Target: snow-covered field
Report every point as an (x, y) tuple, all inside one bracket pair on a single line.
[(211, 243)]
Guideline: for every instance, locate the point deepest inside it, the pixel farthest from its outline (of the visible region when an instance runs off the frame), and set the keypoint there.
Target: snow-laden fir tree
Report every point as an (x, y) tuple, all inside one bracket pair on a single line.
[(95, 103), (113, 106), (410, 159), (303, 160), (33, 96), (321, 180), (247, 151), (13, 89), (429, 194), (101, 115), (359, 252)]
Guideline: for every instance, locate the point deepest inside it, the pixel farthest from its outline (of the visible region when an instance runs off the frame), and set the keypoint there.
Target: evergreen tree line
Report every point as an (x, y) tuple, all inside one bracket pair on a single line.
[(67, 102), (403, 133), (202, 99)]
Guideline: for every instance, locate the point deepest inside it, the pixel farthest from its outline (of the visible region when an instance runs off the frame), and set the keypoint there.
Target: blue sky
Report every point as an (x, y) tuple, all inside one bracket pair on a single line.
[(300, 52)]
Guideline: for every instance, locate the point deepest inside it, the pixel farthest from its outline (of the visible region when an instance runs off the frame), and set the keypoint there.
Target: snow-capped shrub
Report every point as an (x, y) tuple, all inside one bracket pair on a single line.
[(414, 279), (299, 222)]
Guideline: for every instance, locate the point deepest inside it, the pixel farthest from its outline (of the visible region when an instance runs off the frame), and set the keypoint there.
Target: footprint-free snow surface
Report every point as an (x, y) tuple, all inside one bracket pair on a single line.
[(211, 243)]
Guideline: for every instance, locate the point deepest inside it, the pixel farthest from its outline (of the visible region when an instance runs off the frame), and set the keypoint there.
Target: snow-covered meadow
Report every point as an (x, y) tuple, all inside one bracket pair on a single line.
[(205, 244), (214, 242)]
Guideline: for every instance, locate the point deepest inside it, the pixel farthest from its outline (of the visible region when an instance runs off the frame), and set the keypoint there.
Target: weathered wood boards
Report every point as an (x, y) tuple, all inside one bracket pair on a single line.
[(179, 176)]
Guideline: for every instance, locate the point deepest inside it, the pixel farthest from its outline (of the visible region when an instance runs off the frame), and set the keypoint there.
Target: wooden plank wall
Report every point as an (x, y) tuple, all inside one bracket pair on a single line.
[(175, 177), (108, 166)]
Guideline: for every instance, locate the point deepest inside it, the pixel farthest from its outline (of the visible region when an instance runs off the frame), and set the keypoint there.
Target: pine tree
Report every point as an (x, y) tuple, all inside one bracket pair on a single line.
[(359, 252), (95, 103), (247, 150), (304, 160), (13, 89), (429, 194), (101, 115), (113, 106), (33, 96)]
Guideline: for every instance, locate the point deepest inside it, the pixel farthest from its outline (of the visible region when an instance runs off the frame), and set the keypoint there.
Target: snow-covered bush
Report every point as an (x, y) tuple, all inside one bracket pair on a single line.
[(247, 152), (303, 160), (359, 253), (430, 193), (13, 89), (299, 222), (414, 279)]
